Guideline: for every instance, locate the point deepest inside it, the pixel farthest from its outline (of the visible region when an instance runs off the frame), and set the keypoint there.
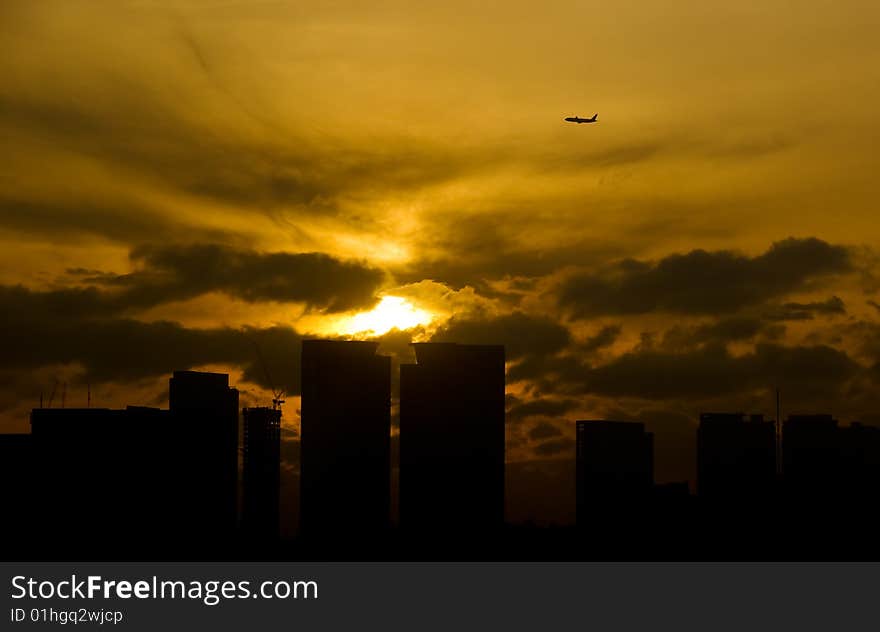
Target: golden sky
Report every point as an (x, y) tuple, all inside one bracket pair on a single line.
[(180, 177)]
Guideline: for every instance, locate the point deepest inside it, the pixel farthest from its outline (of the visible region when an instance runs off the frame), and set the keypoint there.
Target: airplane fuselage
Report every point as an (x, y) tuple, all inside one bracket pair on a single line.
[(575, 119)]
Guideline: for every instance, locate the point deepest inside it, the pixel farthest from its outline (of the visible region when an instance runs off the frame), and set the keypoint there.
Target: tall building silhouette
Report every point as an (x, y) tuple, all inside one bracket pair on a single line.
[(141, 479), (811, 460), (615, 471), (261, 472), (452, 438), (204, 446), (17, 493), (860, 457), (859, 479), (101, 476), (345, 480), (736, 458)]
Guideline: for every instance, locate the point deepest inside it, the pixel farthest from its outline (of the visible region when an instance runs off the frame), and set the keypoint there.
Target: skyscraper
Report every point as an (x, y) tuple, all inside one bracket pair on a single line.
[(860, 455), (736, 458), (811, 460), (103, 477), (261, 472), (452, 438), (140, 480), (204, 446), (615, 471), (860, 479), (345, 484), (17, 490)]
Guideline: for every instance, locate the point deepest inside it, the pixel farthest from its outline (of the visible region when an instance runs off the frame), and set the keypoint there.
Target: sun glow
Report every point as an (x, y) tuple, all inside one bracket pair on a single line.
[(391, 312)]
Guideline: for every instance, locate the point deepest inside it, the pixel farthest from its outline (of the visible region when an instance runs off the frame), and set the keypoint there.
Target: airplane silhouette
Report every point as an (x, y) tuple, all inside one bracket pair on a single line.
[(575, 119)]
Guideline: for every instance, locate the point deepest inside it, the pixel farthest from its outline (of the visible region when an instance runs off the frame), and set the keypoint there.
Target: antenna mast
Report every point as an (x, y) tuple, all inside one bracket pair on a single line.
[(778, 436), (52, 395)]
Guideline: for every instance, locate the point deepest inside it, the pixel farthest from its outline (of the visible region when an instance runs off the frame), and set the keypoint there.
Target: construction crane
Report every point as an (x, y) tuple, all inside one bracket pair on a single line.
[(277, 394)]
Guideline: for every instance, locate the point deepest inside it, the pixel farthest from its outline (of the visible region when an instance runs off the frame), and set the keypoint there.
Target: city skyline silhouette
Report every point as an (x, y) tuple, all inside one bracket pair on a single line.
[(408, 309), (169, 483)]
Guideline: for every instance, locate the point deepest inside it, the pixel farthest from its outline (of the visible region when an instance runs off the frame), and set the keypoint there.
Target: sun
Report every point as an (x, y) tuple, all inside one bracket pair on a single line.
[(391, 312)]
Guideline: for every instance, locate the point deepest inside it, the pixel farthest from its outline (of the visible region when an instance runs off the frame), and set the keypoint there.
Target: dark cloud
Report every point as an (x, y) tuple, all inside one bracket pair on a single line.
[(553, 447), (605, 337), (866, 334), (807, 311), (179, 272), (723, 330), (172, 273), (21, 305), (544, 407), (712, 371), (37, 333), (538, 368), (89, 275), (491, 247), (521, 334), (702, 282), (256, 163), (71, 219), (729, 329), (695, 373), (544, 430)]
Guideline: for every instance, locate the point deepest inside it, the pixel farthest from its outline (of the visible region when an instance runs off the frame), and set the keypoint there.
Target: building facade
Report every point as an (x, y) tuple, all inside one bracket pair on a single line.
[(261, 472), (614, 470), (345, 485), (452, 438)]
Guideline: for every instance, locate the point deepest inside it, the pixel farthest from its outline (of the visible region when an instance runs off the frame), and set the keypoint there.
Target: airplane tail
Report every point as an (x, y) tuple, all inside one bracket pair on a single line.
[(594, 116)]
